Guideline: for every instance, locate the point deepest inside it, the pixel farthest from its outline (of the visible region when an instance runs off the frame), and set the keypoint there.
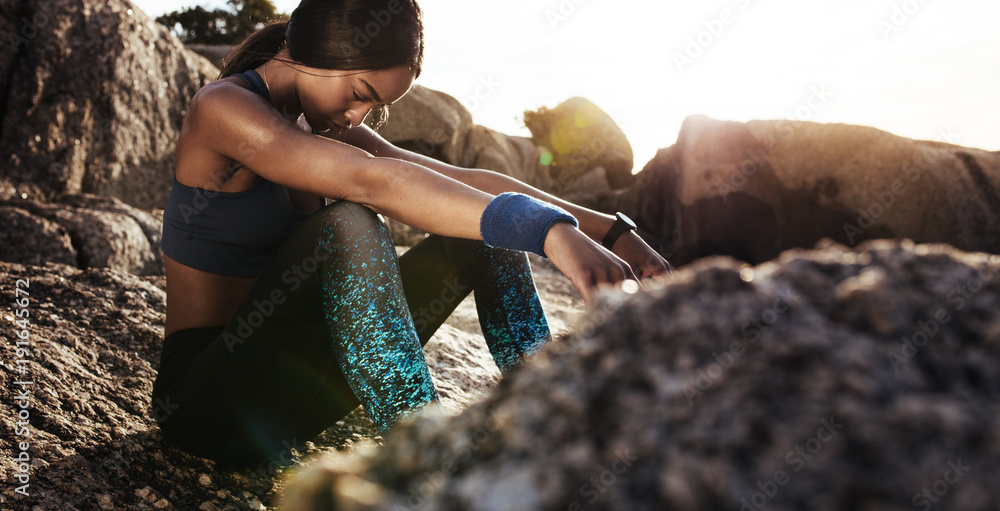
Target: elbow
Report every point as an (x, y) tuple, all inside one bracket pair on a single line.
[(376, 182)]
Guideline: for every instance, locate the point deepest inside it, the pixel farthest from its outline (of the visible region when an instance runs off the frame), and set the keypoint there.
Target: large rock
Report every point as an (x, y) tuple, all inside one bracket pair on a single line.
[(30, 239), (103, 232), (94, 345), (429, 122), (517, 157), (832, 379), (94, 95), (579, 136), (752, 190)]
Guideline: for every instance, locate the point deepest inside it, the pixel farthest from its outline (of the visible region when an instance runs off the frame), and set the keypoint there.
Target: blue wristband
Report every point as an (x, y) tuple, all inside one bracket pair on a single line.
[(520, 222)]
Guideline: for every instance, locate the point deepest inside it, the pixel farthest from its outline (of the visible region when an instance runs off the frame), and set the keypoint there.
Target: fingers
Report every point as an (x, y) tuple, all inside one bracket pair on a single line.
[(611, 273), (656, 266)]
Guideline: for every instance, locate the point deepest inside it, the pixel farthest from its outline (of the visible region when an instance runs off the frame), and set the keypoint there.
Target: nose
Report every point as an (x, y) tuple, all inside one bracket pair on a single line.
[(356, 116)]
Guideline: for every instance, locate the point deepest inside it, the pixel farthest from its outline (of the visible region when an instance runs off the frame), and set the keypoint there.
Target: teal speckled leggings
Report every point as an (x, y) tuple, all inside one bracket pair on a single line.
[(334, 320)]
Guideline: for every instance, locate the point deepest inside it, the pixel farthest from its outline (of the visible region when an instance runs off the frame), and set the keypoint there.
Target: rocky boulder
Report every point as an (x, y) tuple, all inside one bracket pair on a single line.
[(30, 239), (94, 95), (752, 190), (92, 342), (834, 378), (577, 136), (82, 230), (431, 123)]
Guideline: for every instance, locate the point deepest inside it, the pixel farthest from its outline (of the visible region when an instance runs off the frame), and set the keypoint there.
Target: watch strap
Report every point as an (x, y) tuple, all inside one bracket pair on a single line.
[(617, 229)]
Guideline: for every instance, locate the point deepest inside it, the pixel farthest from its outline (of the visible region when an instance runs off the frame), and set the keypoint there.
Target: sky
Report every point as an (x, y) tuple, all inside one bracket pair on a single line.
[(924, 69)]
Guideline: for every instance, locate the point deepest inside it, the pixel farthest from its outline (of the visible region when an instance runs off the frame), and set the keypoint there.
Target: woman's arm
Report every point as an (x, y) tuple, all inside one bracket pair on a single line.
[(593, 223), (233, 123), (644, 261)]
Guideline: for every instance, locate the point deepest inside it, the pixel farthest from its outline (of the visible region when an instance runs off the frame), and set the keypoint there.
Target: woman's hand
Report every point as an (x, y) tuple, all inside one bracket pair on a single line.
[(585, 263), (643, 260)]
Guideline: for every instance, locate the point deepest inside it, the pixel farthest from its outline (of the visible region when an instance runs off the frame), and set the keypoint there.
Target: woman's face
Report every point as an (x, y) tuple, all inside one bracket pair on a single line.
[(340, 99)]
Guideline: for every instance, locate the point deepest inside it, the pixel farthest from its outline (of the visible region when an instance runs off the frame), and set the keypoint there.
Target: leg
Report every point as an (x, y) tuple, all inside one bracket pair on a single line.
[(439, 272), (251, 392), (368, 319), (509, 309)]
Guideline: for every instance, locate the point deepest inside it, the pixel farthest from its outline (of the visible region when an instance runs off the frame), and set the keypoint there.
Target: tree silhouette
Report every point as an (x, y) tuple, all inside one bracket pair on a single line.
[(231, 25)]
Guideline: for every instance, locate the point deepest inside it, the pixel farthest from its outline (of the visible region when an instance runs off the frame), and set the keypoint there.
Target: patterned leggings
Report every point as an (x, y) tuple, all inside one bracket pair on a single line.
[(334, 320)]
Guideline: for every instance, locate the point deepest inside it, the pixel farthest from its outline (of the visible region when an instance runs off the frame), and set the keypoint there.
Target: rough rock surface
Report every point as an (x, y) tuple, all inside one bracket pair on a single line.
[(103, 232), (429, 122), (579, 136), (95, 338), (30, 239), (93, 97), (752, 190), (832, 379)]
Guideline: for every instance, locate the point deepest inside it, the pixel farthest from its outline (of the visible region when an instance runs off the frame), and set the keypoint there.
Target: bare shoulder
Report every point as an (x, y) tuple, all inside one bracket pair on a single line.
[(232, 122), (198, 163)]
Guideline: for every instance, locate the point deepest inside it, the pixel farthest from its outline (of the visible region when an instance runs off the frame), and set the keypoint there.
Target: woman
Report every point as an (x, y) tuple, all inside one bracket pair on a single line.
[(284, 312)]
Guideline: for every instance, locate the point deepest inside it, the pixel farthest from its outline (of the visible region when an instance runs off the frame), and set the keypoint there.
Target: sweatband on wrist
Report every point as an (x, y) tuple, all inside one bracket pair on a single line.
[(517, 221)]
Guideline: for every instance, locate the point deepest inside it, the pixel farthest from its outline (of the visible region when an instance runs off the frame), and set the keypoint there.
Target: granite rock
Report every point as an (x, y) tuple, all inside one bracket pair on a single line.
[(94, 95), (579, 136), (93, 346), (103, 231), (834, 378), (752, 190)]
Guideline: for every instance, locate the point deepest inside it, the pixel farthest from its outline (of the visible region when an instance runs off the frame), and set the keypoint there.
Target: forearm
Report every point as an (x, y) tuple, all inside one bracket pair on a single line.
[(592, 223), (423, 198)]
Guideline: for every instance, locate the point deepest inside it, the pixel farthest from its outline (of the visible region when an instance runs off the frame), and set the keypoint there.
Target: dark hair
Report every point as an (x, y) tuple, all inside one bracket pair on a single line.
[(343, 35)]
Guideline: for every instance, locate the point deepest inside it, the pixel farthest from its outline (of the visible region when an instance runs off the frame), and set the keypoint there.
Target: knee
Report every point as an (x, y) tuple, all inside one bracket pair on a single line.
[(351, 211), (345, 218)]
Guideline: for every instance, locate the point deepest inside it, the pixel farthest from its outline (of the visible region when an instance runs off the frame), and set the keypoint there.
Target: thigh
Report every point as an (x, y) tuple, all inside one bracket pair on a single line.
[(250, 392)]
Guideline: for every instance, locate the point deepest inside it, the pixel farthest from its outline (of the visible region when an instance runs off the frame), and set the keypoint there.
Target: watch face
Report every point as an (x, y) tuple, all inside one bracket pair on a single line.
[(628, 221)]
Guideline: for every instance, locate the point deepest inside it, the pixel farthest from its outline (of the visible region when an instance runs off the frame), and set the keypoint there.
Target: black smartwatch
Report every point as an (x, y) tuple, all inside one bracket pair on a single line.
[(622, 224)]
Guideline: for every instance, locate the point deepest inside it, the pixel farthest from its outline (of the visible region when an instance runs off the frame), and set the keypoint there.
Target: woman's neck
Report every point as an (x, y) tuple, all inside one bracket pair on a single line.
[(279, 78)]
